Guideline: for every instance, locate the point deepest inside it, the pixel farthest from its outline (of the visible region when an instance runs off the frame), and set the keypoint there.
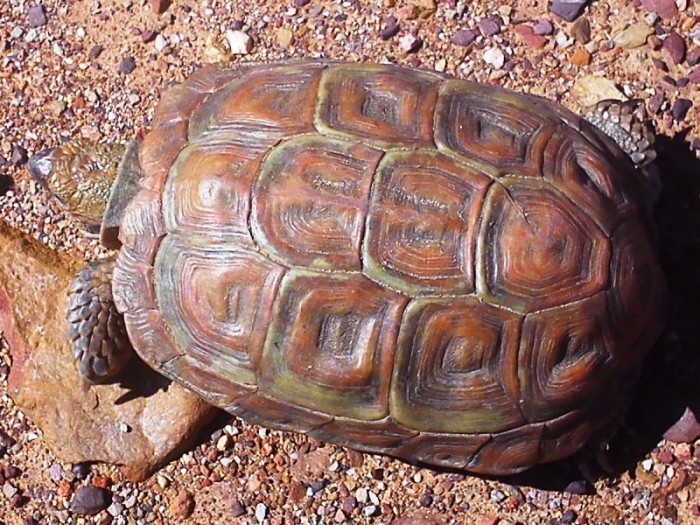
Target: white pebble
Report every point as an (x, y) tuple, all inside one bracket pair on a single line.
[(373, 498), (160, 43), (17, 32), (239, 42), (80, 32), (369, 510), (647, 464), (563, 40), (260, 512), (361, 495), (494, 57)]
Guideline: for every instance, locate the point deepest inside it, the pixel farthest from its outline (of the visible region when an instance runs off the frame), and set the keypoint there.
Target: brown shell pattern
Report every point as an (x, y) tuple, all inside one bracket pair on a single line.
[(390, 260)]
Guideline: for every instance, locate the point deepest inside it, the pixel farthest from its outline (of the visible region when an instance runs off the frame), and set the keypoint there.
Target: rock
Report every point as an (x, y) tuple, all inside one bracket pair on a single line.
[(312, 465), (127, 65), (543, 27), (464, 37), (634, 36), (237, 509), (159, 6), (95, 51), (239, 43), (494, 57), (182, 505), (693, 57), (36, 16), (581, 30), (694, 76), (580, 57), (685, 430), (391, 27), (260, 512), (680, 109), (569, 10), (410, 43), (301, 3), (90, 500), (664, 8), (162, 418), (18, 156), (589, 90), (285, 37), (528, 36), (489, 26), (674, 45)]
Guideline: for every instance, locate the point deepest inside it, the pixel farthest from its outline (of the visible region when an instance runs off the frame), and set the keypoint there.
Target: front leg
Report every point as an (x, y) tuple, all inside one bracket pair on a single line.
[(96, 328)]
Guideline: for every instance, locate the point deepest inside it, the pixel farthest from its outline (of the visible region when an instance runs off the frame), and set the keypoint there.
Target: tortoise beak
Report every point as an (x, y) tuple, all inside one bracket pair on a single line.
[(40, 165)]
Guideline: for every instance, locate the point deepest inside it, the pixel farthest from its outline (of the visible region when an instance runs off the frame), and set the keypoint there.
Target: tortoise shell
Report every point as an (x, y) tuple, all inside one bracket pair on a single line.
[(391, 260)]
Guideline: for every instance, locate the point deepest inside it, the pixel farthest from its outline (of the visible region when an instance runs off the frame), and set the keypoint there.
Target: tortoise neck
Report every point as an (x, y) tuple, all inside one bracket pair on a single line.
[(126, 185)]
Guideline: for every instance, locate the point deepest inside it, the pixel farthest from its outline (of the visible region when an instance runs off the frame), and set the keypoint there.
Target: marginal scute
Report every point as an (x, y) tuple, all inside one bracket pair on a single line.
[(331, 344), (141, 228), (158, 150), (637, 291), (456, 367), (493, 126), (310, 202), (181, 100), (509, 452), (150, 337), (269, 411), (374, 104), (422, 222), (217, 301), (199, 376), (380, 436), (132, 283), (446, 450), (565, 435), (268, 102), (565, 358), (587, 177), (536, 249), (208, 193)]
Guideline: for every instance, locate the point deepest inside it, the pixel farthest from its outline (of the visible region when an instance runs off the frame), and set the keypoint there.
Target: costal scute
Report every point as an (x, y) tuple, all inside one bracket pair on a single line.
[(391, 260)]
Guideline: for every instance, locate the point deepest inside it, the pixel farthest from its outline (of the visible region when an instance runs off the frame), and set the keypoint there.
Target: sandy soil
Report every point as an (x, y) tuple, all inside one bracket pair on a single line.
[(95, 69)]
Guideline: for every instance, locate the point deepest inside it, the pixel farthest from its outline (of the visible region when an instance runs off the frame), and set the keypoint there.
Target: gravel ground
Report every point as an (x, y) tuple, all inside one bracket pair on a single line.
[(95, 68)]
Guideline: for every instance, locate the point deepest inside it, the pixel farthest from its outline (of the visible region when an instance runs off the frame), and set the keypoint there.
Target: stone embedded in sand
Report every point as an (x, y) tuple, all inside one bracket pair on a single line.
[(140, 424)]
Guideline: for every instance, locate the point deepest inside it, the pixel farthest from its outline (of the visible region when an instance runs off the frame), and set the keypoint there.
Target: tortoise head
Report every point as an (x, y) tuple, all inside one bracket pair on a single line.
[(80, 177)]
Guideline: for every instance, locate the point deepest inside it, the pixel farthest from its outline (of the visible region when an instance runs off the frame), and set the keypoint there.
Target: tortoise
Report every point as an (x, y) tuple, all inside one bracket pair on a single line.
[(383, 258)]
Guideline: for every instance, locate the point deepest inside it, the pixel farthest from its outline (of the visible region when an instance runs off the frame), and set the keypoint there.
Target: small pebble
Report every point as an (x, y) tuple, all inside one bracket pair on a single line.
[(260, 512), (284, 37), (464, 37), (301, 3), (127, 65), (569, 10), (369, 510), (568, 517), (391, 27), (581, 30), (36, 16), (90, 500), (161, 43), (95, 51), (529, 37), (239, 43), (543, 27), (489, 26), (674, 45), (694, 76), (693, 57), (680, 109), (426, 500), (580, 57), (410, 43), (664, 8), (182, 506), (578, 487), (237, 509), (494, 57), (19, 156)]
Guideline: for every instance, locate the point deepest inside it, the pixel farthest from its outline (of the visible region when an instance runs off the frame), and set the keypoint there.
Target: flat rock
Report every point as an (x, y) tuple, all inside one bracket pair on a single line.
[(140, 423), (664, 8), (569, 10)]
